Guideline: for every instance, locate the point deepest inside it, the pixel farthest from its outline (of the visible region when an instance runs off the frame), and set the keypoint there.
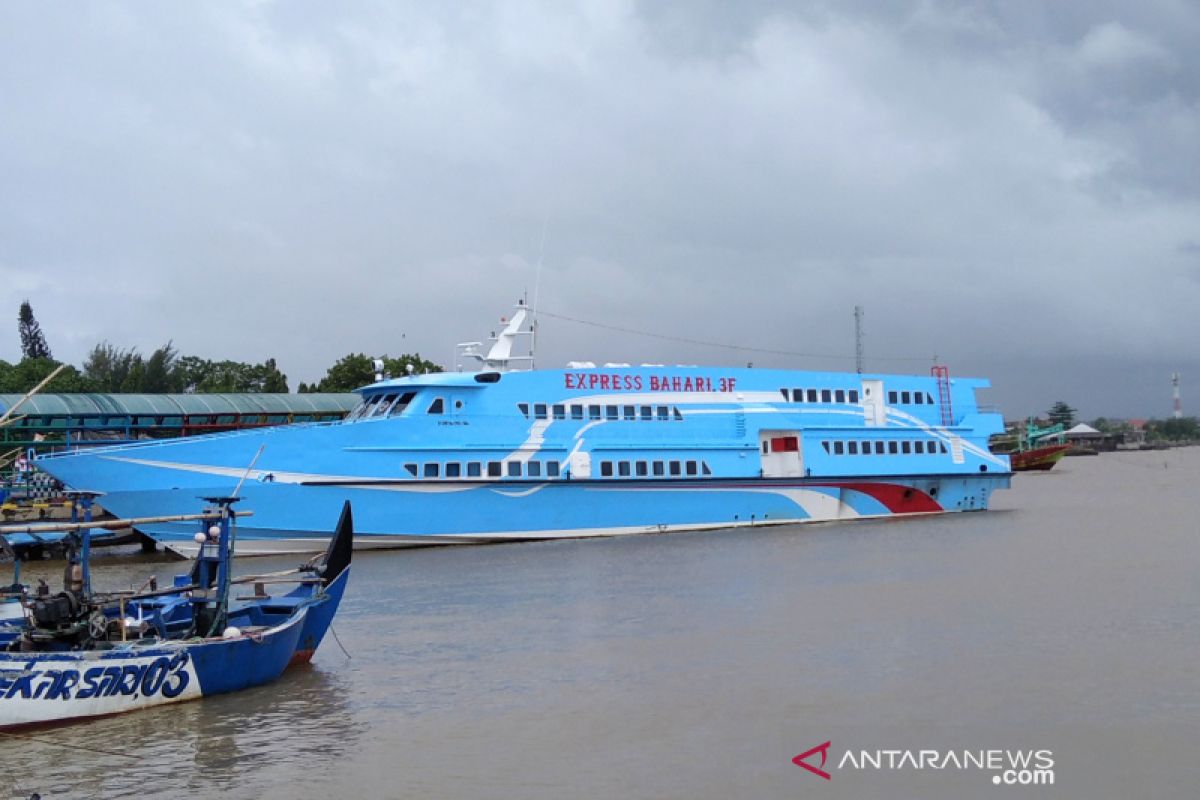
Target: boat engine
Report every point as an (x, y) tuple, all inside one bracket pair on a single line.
[(54, 612)]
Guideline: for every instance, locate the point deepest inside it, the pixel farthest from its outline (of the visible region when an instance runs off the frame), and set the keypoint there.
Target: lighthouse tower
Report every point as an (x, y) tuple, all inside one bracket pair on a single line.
[(1178, 405)]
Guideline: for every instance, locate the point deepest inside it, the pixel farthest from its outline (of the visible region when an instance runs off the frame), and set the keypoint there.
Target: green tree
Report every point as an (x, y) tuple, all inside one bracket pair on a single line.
[(157, 376), (1061, 414), (274, 381), (28, 372), (1184, 429), (356, 369), (33, 342), (108, 367)]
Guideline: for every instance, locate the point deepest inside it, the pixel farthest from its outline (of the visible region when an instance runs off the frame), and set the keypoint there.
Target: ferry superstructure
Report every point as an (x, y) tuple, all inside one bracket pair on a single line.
[(508, 454)]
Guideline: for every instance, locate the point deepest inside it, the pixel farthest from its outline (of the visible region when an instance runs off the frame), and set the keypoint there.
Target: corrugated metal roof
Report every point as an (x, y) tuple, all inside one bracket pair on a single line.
[(78, 405)]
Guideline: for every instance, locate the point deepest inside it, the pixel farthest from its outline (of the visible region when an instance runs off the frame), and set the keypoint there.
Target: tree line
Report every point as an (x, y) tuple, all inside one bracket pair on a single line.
[(1184, 429), (116, 370)]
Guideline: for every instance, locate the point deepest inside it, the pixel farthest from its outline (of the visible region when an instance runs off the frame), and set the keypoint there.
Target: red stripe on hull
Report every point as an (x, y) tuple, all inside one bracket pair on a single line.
[(897, 499), (301, 657)]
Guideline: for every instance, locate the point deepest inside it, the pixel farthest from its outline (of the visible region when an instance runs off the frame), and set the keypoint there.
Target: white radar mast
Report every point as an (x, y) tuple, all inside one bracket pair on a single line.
[(500, 356)]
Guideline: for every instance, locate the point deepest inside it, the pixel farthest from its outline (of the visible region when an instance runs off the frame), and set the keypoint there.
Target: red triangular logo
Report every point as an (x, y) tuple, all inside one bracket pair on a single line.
[(800, 762)]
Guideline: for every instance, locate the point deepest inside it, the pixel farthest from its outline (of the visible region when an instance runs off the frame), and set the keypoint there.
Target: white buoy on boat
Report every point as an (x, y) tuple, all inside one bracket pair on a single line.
[(231, 633)]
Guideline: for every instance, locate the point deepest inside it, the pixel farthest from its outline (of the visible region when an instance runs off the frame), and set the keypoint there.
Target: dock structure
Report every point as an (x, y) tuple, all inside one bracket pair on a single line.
[(56, 421)]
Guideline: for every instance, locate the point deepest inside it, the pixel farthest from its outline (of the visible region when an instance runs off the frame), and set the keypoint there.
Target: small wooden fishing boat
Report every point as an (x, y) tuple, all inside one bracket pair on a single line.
[(83, 654), (1038, 458)]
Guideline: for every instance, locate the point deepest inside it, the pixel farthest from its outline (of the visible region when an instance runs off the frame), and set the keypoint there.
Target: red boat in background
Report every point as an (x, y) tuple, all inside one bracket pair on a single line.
[(1042, 458)]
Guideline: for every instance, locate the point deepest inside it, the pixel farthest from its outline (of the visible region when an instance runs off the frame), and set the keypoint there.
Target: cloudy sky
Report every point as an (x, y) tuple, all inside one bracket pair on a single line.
[(1012, 186)]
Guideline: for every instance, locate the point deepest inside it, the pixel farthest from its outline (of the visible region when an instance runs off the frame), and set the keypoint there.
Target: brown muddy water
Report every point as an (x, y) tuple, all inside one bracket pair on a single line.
[(1066, 620)]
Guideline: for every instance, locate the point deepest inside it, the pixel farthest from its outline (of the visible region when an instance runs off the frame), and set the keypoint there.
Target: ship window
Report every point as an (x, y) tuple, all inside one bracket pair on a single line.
[(539, 411), (514, 469), (676, 468), (623, 469), (401, 404), (928, 400), (785, 444), (576, 412), (663, 412), (765, 448), (840, 395), (879, 448), (919, 447), (493, 469), (787, 393), (839, 448), (942, 447), (812, 395), (379, 408), (453, 470), (905, 448), (918, 398), (826, 446), (854, 395), (658, 469), (905, 397), (866, 448), (629, 412), (692, 469), (473, 469), (893, 447), (704, 465), (797, 395), (611, 412), (593, 412), (892, 399), (524, 409), (437, 406), (534, 469), (642, 469), (431, 469), (826, 396), (551, 469), (412, 469), (852, 447), (677, 413), (605, 469), (559, 411)]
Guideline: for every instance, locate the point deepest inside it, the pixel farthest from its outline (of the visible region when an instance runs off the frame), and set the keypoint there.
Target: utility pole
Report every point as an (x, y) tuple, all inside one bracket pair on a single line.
[(858, 338)]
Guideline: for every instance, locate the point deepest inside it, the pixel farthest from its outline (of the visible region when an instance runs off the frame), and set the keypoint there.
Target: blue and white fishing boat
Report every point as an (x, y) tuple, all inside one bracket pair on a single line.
[(513, 453), (84, 654)]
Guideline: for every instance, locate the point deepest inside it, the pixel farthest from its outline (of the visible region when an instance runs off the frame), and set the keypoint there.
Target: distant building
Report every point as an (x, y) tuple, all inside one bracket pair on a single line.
[(1084, 435)]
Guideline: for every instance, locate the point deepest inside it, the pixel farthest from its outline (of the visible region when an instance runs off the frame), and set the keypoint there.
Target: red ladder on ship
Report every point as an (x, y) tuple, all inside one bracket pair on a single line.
[(943, 383)]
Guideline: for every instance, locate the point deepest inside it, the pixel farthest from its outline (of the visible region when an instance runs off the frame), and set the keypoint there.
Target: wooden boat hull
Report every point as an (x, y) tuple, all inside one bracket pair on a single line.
[(46, 680), (43, 688), (1039, 458)]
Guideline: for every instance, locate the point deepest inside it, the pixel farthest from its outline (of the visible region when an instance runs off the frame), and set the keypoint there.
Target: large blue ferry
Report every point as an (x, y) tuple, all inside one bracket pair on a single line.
[(508, 454)]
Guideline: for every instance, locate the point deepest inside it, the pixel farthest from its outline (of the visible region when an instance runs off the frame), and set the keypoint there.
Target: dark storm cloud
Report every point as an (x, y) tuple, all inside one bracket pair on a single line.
[(1010, 186)]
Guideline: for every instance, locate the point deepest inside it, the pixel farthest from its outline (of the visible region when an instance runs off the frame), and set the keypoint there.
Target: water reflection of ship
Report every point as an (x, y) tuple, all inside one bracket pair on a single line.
[(245, 741)]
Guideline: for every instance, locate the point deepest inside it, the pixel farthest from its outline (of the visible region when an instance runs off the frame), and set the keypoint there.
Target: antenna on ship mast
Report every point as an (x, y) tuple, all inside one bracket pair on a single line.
[(537, 285)]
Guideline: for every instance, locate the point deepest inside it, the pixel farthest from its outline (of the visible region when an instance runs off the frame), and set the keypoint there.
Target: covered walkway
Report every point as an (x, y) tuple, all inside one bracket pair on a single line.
[(54, 421)]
